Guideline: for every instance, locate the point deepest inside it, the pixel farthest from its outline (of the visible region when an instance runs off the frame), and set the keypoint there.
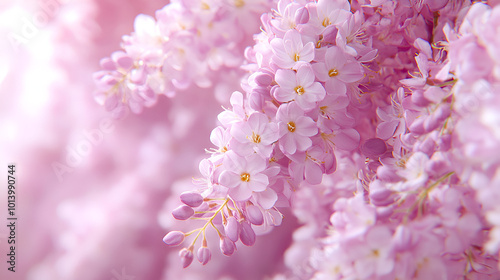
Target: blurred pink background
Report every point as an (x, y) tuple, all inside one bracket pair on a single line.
[(94, 195)]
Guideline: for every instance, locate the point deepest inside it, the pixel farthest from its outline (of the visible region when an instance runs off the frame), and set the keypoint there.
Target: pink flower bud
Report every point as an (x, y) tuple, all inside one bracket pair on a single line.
[(380, 195), (444, 142), (263, 79), (183, 212), (192, 199), (204, 255), (418, 98), (247, 235), (387, 174), (122, 60), (442, 112), (186, 256), (431, 123), (107, 64), (302, 15), (374, 147), (427, 147), (330, 34), (232, 229), (417, 127), (227, 246), (174, 238), (254, 215)]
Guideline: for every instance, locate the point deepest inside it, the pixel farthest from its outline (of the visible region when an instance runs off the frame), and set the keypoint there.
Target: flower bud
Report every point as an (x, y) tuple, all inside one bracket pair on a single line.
[(192, 199), (107, 64), (122, 60), (417, 127), (254, 215), (427, 147), (204, 255), (418, 98), (247, 235), (387, 174), (263, 79), (183, 212), (174, 238), (186, 255), (227, 246), (374, 147), (232, 229), (302, 15)]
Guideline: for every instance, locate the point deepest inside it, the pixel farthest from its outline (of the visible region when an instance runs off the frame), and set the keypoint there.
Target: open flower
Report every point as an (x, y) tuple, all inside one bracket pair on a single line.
[(299, 86), (243, 175), (290, 51), (256, 134), (337, 71), (295, 129)]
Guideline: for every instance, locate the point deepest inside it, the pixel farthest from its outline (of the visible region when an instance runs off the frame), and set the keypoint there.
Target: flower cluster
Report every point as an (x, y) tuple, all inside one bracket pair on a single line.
[(307, 66), (375, 122), (190, 42)]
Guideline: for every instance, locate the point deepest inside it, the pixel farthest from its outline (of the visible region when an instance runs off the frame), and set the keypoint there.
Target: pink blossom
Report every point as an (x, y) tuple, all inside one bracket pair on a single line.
[(290, 52), (243, 176), (336, 71), (256, 134), (295, 129), (299, 86)]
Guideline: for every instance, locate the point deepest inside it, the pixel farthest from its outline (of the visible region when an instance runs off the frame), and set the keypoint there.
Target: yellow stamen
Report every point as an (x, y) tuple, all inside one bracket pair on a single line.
[(239, 3), (245, 177), (326, 22), (291, 126), (299, 90), (205, 6), (256, 138), (296, 57), (333, 72)]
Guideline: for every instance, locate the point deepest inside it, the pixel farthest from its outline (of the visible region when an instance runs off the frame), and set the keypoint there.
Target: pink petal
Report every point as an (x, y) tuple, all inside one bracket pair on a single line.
[(286, 78), (335, 58), (386, 130), (307, 53), (305, 126), (258, 182), (350, 73), (335, 86), (305, 76), (347, 139), (266, 198), (240, 193), (283, 95), (287, 144), (229, 179), (320, 71), (313, 173)]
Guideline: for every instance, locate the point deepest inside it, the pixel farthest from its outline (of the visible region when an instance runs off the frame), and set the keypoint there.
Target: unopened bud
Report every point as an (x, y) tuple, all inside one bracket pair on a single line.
[(247, 235), (204, 255), (174, 238), (263, 79), (254, 215), (192, 199), (232, 229), (302, 16), (122, 59), (227, 246), (186, 255), (183, 212)]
